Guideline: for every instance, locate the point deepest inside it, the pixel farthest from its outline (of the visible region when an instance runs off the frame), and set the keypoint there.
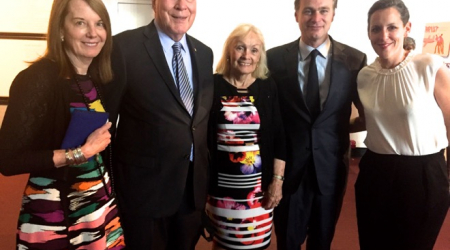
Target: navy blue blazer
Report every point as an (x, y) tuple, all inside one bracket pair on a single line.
[(326, 139)]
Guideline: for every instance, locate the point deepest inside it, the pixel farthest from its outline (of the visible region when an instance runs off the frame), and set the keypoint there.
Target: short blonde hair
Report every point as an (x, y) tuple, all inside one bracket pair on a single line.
[(223, 66)]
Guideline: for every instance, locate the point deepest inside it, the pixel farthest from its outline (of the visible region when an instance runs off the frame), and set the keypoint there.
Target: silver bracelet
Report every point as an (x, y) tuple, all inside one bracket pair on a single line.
[(82, 158), (279, 177), (76, 156), (69, 158), (79, 156)]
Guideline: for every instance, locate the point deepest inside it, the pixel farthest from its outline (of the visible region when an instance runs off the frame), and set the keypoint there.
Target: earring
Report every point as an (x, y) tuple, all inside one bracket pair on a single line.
[(62, 39)]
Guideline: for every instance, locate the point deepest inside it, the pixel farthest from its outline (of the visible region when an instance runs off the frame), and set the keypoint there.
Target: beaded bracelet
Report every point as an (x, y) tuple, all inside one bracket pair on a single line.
[(279, 177)]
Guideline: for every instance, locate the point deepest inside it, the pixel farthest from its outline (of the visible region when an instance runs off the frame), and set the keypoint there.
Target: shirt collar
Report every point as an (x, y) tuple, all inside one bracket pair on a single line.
[(305, 49), (167, 42)]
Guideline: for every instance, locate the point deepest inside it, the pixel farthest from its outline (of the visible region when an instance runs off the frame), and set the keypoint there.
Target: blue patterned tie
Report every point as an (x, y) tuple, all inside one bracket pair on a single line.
[(182, 79)]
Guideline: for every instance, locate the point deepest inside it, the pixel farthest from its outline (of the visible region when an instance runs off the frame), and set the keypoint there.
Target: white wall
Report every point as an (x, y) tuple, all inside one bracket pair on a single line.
[(216, 19), (24, 17), (125, 14)]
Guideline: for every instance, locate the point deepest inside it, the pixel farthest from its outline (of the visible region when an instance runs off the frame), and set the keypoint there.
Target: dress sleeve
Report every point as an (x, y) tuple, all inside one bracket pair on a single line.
[(23, 141), (437, 62)]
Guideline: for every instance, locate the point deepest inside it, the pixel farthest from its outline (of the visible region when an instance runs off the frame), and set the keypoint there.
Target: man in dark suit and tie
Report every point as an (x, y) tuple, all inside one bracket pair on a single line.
[(164, 84), (316, 80)]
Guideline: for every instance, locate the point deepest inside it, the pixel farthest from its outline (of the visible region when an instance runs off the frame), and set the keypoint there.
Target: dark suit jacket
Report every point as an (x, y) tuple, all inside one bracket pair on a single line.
[(327, 139), (155, 131)]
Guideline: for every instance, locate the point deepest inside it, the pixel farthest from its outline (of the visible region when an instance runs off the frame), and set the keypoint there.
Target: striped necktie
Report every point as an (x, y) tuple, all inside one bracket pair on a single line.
[(182, 79)]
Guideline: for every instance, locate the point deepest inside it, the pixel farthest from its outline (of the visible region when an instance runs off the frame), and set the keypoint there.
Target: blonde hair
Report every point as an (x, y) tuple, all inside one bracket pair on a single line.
[(100, 68), (223, 66)]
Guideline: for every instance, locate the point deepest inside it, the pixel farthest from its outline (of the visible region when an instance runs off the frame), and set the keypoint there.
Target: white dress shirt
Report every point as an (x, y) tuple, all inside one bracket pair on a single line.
[(323, 68), (167, 44)]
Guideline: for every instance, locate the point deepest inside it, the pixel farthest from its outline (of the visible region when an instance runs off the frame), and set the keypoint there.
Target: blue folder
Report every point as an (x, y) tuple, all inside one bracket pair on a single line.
[(81, 125)]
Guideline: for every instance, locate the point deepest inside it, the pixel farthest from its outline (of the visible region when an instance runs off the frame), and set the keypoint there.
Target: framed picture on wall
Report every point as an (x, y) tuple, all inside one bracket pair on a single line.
[(16, 56), (22, 37), (437, 39), (25, 16)]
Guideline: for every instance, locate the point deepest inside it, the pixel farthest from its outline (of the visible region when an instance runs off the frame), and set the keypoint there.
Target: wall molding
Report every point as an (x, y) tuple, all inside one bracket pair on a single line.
[(22, 36), (4, 100)]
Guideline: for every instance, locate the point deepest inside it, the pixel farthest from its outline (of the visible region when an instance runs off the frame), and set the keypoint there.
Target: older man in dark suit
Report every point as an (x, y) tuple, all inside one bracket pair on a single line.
[(316, 80), (164, 83)]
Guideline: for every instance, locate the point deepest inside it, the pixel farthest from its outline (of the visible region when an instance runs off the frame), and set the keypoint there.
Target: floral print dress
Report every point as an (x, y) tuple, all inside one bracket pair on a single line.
[(234, 207)]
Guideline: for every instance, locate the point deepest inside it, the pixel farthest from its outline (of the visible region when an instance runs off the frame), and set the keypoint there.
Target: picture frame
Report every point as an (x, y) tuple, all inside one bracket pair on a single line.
[(3, 100), (24, 16), (22, 38), (18, 50), (436, 39)]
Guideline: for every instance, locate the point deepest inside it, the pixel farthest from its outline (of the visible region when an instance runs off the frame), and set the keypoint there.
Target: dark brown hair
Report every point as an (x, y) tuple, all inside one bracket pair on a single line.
[(409, 43), (384, 4)]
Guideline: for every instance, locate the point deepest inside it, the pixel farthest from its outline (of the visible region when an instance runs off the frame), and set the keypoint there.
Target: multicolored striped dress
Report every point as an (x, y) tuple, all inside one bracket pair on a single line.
[(78, 211), (234, 205)]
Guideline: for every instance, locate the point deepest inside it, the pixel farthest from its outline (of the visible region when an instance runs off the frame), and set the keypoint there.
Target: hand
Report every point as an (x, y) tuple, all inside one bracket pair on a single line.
[(273, 195), (97, 141)]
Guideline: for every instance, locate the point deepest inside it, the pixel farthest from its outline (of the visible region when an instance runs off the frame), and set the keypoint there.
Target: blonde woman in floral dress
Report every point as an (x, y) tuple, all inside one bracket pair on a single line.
[(247, 139)]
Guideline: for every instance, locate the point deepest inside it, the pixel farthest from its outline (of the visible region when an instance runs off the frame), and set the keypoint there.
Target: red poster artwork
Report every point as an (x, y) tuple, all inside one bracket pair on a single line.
[(437, 39)]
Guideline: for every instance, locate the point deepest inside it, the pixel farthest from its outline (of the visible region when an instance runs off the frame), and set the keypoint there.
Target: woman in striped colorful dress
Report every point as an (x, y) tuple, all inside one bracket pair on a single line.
[(247, 145), (68, 202)]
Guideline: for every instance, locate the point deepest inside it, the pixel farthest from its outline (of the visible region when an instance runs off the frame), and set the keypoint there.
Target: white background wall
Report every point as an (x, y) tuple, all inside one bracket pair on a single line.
[(215, 20)]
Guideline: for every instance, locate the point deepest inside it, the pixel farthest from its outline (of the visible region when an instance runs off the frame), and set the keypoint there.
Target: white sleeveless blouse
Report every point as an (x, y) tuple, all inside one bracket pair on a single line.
[(402, 115)]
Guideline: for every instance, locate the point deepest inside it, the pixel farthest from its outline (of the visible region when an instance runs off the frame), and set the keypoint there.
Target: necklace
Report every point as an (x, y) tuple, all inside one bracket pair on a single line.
[(243, 89), (244, 84), (97, 156)]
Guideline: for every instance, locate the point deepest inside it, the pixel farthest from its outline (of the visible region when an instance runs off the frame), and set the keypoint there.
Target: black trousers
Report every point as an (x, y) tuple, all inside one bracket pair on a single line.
[(401, 201), (308, 214), (180, 231)]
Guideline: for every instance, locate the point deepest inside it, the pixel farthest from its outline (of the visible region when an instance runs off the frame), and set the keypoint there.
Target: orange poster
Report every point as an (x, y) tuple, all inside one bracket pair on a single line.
[(437, 39)]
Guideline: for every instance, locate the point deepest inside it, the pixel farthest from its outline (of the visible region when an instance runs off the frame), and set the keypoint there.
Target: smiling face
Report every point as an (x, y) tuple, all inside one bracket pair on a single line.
[(245, 54), (386, 34), (84, 34), (314, 17), (175, 17)]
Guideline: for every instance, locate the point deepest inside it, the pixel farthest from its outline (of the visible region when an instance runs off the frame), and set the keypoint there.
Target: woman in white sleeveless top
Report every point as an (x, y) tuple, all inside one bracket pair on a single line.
[(402, 191)]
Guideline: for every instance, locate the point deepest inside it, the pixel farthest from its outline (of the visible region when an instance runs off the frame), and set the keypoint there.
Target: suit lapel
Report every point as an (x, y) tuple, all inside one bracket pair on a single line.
[(338, 57), (158, 58)]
